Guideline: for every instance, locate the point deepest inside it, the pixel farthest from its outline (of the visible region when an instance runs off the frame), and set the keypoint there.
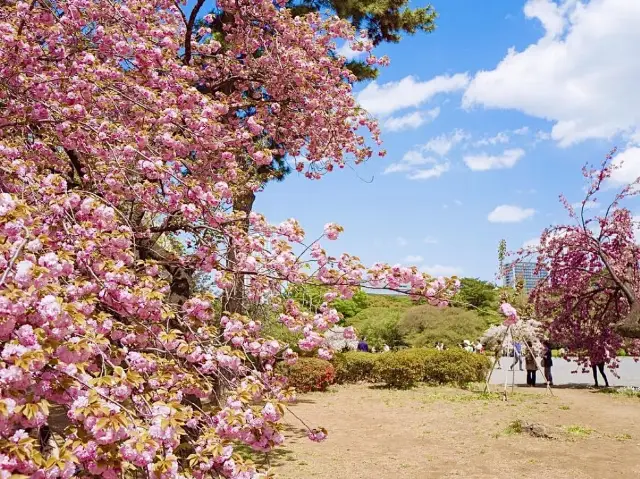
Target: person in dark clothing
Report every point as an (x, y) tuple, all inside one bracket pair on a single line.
[(600, 367), (547, 362), (363, 346), (531, 364)]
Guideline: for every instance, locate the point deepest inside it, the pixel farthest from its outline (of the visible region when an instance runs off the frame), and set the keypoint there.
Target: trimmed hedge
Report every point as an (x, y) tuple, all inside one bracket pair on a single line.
[(405, 368), (455, 366), (401, 369), (398, 369), (308, 374), (354, 366)]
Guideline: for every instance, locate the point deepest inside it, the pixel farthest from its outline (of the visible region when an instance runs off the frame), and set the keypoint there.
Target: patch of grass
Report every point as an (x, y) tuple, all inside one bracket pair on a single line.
[(626, 392), (514, 427), (623, 437), (564, 408), (579, 430)]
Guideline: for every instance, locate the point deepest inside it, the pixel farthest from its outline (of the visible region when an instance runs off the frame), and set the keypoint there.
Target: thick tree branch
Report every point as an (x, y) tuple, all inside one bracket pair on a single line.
[(189, 33)]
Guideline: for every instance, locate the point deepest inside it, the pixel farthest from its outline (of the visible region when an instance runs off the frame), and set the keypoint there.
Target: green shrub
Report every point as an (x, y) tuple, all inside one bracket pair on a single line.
[(422, 326), (455, 366), (355, 366), (390, 301), (400, 369), (380, 326), (308, 374)]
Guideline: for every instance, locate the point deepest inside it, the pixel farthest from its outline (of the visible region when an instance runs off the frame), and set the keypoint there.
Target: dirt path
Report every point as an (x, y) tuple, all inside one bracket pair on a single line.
[(442, 432)]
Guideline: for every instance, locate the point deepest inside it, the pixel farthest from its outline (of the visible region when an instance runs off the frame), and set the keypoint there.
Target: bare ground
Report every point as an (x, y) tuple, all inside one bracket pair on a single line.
[(444, 432)]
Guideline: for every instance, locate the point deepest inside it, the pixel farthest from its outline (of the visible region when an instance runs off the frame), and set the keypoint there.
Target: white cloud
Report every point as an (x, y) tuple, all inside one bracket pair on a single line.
[(346, 51), (442, 270), (531, 244), (521, 131), (413, 258), (442, 144), (589, 205), (425, 174), (430, 240), (409, 92), (483, 161), (396, 168), (628, 163), (409, 162), (411, 120), (412, 163), (458, 202), (582, 74), (510, 214), (636, 228), (401, 241), (501, 137)]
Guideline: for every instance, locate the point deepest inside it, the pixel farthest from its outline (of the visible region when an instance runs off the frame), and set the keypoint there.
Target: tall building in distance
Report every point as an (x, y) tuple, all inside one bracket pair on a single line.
[(524, 270)]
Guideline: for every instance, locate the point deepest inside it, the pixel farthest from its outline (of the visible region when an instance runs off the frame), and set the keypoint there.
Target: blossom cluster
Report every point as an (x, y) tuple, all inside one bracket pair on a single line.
[(126, 140)]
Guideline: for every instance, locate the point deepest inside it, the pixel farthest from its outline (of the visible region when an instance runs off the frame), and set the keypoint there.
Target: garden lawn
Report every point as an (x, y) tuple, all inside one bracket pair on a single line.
[(432, 432)]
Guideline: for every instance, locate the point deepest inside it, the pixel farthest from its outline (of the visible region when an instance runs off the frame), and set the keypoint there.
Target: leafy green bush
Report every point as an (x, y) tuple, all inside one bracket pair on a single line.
[(422, 326), (276, 330), (455, 366), (311, 296), (380, 326), (400, 369), (478, 295), (308, 374), (390, 301), (355, 366)]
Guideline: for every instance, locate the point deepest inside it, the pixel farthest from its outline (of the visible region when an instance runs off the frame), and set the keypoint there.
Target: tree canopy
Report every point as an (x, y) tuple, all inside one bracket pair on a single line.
[(591, 295), (123, 144)]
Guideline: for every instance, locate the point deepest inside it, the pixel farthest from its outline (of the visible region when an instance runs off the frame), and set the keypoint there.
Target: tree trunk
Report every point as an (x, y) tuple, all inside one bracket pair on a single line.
[(234, 301), (629, 327)]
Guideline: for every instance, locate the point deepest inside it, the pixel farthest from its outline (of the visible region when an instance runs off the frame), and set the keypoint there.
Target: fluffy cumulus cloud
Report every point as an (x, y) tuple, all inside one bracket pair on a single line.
[(442, 270), (387, 98), (442, 144), (582, 74), (411, 121), (628, 167), (435, 171), (510, 214), (484, 161), (418, 165)]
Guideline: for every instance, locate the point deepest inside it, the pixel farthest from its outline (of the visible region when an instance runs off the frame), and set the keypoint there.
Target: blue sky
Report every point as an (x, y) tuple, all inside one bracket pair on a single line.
[(481, 140)]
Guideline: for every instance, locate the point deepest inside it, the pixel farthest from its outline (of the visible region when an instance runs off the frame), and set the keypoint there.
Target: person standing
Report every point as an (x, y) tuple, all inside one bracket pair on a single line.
[(467, 346), (600, 367), (363, 346), (517, 355), (531, 364), (498, 356), (547, 362)]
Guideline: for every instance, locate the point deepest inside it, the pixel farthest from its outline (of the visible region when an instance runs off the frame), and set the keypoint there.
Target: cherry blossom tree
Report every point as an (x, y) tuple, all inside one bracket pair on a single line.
[(122, 145), (590, 297)]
